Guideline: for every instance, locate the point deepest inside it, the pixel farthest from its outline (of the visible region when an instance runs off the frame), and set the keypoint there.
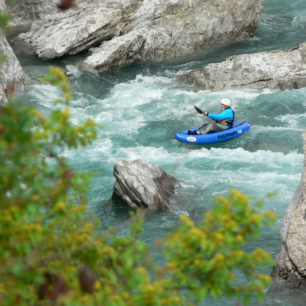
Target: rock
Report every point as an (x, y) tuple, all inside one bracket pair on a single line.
[(118, 52), (160, 29), (72, 70), (291, 261), (12, 78), (142, 184), (24, 12), (282, 69), (75, 30), (2, 5), (174, 28)]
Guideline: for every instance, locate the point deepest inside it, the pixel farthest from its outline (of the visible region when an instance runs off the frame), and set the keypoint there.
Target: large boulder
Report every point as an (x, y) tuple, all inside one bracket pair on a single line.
[(118, 52), (74, 30), (24, 12), (142, 184), (160, 29), (12, 77), (291, 261), (166, 29), (280, 69)]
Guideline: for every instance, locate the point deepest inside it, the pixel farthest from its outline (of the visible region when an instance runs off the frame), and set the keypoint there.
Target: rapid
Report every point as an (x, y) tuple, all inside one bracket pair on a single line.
[(142, 107)]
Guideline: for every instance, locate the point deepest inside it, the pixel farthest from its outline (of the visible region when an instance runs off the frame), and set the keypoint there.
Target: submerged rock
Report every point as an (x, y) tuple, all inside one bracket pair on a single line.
[(291, 261), (145, 30), (282, 69), (142, 184)]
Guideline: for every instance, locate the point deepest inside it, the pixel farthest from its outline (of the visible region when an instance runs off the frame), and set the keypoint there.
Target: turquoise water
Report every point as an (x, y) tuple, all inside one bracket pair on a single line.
[(141, 108)]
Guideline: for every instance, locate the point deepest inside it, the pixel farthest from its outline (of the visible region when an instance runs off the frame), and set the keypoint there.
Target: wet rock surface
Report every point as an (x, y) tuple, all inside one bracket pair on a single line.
[(142, 184)]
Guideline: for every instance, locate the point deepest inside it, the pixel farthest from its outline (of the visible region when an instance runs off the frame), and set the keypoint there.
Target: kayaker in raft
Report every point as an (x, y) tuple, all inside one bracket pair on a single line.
[(218, 122)]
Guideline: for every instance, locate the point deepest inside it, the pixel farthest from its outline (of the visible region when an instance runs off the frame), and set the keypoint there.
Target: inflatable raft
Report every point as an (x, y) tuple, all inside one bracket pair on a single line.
[(239, 128)]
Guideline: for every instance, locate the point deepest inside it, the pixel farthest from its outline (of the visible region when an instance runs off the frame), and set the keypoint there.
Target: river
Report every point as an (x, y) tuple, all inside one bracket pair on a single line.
[(142, 107)]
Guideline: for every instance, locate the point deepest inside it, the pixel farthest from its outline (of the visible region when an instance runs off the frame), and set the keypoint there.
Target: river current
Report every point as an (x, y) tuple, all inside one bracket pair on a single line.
[(142, 107)]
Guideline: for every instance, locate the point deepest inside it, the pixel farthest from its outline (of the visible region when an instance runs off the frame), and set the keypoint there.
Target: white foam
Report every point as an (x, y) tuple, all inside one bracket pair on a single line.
[(216, 159), (130, 106), (269, 129), (44, 94), (294, 121)]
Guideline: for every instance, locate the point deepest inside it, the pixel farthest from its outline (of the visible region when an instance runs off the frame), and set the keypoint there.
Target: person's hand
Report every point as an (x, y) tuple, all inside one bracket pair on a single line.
[(205, 113)]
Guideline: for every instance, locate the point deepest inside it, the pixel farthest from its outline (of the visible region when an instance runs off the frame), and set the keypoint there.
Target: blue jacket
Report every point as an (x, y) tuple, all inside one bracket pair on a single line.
[(226, 114)]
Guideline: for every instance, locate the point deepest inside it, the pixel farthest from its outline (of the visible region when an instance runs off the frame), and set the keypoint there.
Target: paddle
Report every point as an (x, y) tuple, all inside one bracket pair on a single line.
[(198, 110)]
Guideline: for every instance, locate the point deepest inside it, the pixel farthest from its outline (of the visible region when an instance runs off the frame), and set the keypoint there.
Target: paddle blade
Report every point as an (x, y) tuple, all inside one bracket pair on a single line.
[(198, 110)]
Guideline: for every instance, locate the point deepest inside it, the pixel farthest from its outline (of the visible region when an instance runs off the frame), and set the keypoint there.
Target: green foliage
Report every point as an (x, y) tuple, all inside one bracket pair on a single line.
[(51, 250), (4, 19), (2, 58), (205, 258)]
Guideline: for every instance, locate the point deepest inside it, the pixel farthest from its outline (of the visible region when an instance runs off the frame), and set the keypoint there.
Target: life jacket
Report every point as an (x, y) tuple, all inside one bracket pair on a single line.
[(227, 121)]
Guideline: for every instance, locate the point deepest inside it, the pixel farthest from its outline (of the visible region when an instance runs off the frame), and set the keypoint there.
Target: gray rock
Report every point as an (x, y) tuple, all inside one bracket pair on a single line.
[(173, 28), (74, 30), (161, 29), (181, 27), (291, 261), (11, 73), (142, 184), (2, 5), (24, 12), (282, 69), (72, 70), (118, 52)]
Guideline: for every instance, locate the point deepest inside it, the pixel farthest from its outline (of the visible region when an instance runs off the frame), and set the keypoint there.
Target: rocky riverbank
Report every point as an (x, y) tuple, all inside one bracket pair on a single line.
[(125, 31), (278, 69)]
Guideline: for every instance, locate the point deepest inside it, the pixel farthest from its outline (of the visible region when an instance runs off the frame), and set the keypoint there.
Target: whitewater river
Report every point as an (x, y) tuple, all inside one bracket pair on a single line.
[(142, 107)]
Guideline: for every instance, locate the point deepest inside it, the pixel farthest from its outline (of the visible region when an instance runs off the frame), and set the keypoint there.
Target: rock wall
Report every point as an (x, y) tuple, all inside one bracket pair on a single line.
[(74, 30), (11, 73), (33, 9), (166, 29), (24, 12), (281, 69), (291, 261), (145, 30)]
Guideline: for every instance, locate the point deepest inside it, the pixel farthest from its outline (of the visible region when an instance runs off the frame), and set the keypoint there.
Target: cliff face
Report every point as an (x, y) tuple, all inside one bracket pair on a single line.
[(12, 77), (26, 11), (125, 31), (291, 261)]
